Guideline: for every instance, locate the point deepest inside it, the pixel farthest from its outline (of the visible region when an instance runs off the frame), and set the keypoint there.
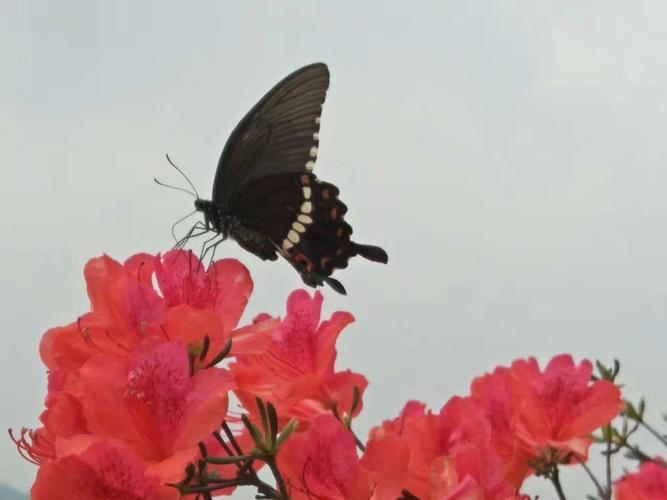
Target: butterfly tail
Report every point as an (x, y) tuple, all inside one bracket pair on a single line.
[(335, 285), (371, 252)]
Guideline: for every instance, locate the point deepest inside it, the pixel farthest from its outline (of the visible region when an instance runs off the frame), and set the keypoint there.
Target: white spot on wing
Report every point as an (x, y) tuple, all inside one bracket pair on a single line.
[(316, 136), (306, 192), (304, 219), (306, 207), (298, 227), (309, 165), (313, 151), (317, 120), (287, 244), (293, 236)]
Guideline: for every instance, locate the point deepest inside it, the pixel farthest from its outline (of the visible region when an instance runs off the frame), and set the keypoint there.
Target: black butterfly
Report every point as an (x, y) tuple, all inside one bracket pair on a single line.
[(265, 195)]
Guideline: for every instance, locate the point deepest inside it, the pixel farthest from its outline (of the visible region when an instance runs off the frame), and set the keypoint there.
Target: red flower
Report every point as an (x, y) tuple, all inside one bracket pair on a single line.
[(446, 456), (323, 463), (133, 369), (493, 392), (224, 288), (650, 483), (190, 304), (157, 407), (545, 415), (296, 373), (101, 471)]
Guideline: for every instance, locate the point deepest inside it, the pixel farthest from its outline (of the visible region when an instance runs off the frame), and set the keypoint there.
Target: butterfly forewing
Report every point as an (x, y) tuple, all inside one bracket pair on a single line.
[(278, 135)]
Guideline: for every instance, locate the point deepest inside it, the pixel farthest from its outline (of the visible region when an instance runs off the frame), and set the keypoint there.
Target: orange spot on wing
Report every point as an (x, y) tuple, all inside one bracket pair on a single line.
[(300, 258), (305, 180), (325, 260)]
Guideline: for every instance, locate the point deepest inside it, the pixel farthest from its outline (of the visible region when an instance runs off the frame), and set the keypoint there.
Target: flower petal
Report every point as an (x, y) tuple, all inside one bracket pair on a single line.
[(233, 286), (104, 471)]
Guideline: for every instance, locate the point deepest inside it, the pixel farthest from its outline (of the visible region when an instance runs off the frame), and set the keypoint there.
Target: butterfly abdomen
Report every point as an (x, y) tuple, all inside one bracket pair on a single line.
[(252, 240)]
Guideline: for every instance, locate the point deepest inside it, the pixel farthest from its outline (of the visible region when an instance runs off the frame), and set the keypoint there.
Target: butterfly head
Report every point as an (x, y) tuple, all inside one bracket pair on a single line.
[(213, 217)]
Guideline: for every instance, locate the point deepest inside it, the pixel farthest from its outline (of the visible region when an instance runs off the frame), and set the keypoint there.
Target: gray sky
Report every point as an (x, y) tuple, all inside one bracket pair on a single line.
[(509, 156)]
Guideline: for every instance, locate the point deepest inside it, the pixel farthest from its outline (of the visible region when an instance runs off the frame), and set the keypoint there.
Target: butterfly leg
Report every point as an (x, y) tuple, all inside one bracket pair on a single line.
[(208, 246), (191, 234), (213, 248)]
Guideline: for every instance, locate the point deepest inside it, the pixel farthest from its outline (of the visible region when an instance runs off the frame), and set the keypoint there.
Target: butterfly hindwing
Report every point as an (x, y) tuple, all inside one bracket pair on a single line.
[(304, 219)]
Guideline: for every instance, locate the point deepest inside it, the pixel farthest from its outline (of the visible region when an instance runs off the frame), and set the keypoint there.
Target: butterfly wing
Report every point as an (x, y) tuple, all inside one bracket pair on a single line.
[(303, 218), (264, 181), (278, 135)]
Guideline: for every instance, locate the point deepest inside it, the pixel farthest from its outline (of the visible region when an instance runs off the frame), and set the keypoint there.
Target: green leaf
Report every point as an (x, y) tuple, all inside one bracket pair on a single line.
[(356, 398), (222, 354), (255, 434), (631, 412), (205, 347), (262, 414), (287, 431), (273, 424)]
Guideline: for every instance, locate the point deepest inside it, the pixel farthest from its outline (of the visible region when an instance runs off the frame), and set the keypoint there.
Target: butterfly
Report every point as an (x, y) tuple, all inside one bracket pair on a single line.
[(265, 194)]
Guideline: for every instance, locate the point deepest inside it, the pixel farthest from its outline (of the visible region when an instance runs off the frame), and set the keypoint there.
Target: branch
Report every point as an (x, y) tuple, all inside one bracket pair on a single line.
[(555, 480)]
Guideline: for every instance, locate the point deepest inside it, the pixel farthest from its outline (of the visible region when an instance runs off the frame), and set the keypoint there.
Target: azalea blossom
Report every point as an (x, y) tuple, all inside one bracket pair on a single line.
[(545, 416), (98, 470), (296, 372), (190, 304), (159, 409), (322, 462), (137, 401), (649, 483), (443, 456), (137, 369)]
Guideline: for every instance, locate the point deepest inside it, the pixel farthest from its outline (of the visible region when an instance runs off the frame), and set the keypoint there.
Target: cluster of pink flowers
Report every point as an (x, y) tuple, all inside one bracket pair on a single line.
[(127, 401), (517, 421), (135, 396)]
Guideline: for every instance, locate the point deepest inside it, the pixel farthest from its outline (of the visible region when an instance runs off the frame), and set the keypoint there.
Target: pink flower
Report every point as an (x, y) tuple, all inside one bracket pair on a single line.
[(101, 471), (493, 392), (446, 456), (151, 402), (224, 288), (296, 373), (322, 463), (133, 369), (551, 413), (190, 304), (650, 483)]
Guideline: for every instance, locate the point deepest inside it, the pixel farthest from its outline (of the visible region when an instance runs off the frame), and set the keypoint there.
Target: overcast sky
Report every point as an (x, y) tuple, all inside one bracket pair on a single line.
[(509, 155)]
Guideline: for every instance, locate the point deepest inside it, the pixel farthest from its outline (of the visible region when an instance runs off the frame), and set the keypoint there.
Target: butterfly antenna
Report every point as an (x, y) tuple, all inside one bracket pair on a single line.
[(184, 176), (173, 226), (175, 187)]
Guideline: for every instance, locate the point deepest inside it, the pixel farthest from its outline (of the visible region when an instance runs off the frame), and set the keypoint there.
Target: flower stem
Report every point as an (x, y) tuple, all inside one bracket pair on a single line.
[(246, 473), (604, 495), (654, 432), (638, 454), (555, 480), (608, 460), (231, 438), (358, 441), (280, 482)]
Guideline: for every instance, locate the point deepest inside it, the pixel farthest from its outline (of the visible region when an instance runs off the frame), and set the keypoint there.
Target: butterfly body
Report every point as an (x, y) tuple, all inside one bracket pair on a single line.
[(265, 195)]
